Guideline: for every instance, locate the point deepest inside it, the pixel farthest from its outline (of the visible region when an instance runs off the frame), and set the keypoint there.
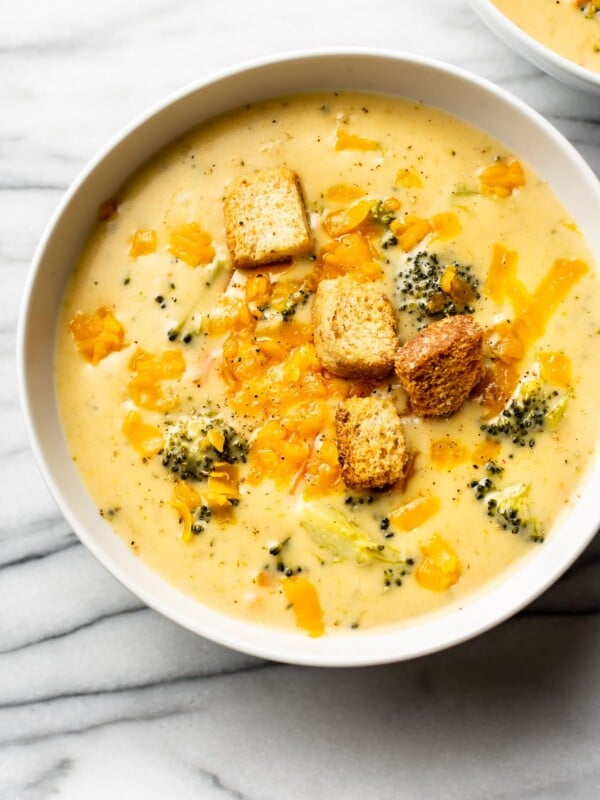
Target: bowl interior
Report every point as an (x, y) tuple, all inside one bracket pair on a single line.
[(435, 84), (543, 57)]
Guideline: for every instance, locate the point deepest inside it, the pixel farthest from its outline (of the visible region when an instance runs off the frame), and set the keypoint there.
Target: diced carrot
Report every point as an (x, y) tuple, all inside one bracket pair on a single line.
[(302, 595), (145, 439), (349, 141), (414, 513), (97, 335), (142, 243), (189, 243), (440, 568)]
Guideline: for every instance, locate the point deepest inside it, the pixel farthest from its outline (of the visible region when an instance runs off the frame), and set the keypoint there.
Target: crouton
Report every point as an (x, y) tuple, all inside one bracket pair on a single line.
[(370, 439), (265, 219), (354, 328), (439, 366)]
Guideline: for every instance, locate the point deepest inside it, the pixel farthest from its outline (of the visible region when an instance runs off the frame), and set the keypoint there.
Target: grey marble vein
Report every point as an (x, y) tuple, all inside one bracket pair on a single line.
[(101, 697)]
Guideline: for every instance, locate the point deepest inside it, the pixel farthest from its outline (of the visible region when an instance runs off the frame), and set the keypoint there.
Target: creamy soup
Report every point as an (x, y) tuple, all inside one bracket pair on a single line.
[(569, 27), (202, 420)]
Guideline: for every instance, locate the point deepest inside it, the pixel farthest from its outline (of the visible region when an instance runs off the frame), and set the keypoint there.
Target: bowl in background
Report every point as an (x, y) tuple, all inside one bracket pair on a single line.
[(448, 88), (534, 51)]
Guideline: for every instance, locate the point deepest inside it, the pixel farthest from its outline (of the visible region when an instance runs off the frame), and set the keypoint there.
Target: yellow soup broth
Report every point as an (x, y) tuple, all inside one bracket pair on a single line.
[(569, 27), (156, 327)]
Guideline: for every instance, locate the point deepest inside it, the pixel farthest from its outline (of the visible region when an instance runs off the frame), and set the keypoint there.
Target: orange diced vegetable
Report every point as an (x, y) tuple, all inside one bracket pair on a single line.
[(142, 243), (501, 178), (556, 369), (348, 141), (440, 568), (411, 515), (448, 453), (145, 439), (408, 179), (303, 597), (344, 193), (189, 243), (97, 335)]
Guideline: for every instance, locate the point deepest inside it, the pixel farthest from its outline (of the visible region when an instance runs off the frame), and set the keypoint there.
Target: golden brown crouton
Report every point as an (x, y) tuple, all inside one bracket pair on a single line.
[(370, 440), (354, 328), (440, 365), (265, 219)]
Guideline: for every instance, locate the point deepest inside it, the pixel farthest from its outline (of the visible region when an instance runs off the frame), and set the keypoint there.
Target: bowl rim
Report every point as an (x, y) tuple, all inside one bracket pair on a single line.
[(376, 646), (542, 56)]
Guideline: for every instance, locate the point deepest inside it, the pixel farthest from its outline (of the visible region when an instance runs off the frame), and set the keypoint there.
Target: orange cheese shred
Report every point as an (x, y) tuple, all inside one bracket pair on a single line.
[(302, 596), (349, 141), (411, 515), (145, 439), (189, 243), (440, 567), (97, 335)]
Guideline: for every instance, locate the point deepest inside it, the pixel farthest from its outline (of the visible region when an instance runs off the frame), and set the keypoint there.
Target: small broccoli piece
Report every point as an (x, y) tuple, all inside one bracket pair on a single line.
[(287, 297), (530, 410), (428, 288), (200, 519), (195, 443), (381, 214), (511, 509)]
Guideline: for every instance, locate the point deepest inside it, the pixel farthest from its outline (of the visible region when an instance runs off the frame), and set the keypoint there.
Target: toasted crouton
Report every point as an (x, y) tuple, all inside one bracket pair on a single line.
[(265, 219), (354, 328), (370, 440), (440, 365)]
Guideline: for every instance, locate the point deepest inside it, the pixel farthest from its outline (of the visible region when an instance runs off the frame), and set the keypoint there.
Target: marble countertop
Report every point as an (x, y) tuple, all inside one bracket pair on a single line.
[(100, 696)]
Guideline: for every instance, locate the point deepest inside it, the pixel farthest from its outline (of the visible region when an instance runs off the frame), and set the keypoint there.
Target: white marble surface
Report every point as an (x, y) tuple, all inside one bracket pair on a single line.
[(101, 697)]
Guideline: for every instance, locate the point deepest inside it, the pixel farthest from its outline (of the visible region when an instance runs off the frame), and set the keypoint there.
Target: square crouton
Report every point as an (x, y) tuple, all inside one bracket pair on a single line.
[(439, 366), (354, 328), (371, 445), (265, 219)]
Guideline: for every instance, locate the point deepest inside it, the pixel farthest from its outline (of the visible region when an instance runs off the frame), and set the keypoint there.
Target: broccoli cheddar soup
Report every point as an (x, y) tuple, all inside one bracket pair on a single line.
[(331, 362), (569, 27)]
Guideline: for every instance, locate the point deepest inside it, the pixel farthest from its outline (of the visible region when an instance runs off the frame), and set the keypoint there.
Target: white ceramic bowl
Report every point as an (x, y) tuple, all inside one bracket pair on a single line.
[(436, 84), (554, 64)]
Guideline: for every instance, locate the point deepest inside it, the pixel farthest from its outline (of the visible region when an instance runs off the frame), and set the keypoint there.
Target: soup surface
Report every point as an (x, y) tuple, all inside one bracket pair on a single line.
[(569, 27), (203, 422)]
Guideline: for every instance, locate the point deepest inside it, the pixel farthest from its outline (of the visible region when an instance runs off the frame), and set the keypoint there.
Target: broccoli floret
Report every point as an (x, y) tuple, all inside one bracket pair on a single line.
[(429, 289), (511, 509), (380, 214), (195, 443), (531, 409)]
